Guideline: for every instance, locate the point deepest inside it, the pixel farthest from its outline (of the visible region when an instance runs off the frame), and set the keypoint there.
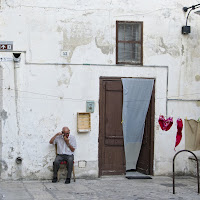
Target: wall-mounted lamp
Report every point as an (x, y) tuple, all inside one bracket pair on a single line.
[(16, 57), (186, 29)]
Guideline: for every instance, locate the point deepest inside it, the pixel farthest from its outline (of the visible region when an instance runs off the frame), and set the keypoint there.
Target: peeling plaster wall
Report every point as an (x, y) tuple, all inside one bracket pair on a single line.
[(50, 95), (41, 116)]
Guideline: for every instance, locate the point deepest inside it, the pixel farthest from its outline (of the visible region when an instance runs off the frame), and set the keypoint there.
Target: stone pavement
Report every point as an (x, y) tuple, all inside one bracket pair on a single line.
[(113, 187)]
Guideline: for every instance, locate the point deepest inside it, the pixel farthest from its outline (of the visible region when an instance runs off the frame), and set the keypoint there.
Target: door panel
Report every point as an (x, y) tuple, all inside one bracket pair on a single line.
[(145, 160), (111, 144), (144, 157), (111, 138)]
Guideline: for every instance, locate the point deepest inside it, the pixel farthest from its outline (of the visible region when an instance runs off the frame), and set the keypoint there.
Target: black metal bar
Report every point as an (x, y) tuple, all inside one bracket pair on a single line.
[(188, 16), (194, 6), (173, 177), (174, 169)]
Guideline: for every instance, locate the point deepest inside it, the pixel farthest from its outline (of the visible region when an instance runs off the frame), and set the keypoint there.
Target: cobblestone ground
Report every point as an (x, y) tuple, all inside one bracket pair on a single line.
[(116, 187)]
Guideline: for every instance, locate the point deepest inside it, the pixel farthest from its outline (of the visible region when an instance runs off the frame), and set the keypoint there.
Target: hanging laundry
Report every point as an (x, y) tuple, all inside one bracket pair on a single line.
[(165, 124), (179, 131), (192, 135)]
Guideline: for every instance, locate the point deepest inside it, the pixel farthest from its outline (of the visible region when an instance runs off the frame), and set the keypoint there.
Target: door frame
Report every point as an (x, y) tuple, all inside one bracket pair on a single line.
[(101, 120)]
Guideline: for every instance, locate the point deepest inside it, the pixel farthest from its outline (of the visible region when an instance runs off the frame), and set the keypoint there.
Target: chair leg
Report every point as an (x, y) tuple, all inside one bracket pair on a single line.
[(58, 176), (74, 174)]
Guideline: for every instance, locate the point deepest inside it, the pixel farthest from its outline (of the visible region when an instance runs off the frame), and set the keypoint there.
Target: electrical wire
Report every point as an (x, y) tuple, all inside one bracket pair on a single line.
[(77, 99), (191, 9), (64, 8), (47, 95), (155, 118)]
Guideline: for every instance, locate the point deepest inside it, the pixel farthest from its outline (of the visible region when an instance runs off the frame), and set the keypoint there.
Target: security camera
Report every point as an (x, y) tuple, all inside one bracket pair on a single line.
[(16, 57)]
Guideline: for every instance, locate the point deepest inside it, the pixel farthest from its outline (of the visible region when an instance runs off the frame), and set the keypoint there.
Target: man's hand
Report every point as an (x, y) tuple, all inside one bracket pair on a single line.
[(68, 144), (66, 140), (60, 133)]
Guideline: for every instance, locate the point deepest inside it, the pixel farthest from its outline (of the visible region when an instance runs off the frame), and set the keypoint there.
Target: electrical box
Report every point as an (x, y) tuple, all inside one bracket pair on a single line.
[(90, 106), (83, 122), (185, 30)]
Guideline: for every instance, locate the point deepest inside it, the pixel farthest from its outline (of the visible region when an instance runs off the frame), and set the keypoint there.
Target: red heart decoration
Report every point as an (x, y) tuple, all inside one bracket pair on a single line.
[(165, 124)]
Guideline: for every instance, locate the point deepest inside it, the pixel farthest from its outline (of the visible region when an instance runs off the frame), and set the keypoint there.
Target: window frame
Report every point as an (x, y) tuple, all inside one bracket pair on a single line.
[(133, 42)]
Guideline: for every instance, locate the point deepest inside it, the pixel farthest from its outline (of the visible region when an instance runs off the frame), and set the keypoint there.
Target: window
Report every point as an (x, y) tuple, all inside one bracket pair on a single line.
[(129, 39)]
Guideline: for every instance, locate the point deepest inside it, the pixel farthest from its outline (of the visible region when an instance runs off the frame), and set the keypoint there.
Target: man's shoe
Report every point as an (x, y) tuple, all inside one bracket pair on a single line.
[(54, 180), (67, 181)]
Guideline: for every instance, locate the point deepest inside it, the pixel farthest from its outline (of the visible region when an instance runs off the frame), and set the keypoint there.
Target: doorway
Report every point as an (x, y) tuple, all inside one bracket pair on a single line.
[(111, 143)]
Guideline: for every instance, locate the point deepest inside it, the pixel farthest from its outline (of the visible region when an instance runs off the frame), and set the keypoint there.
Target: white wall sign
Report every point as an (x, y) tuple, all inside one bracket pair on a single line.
[(64, 53), (6, 45)]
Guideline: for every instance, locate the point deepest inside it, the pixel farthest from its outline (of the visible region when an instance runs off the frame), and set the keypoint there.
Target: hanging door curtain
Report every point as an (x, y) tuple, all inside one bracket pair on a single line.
[(136, 99)]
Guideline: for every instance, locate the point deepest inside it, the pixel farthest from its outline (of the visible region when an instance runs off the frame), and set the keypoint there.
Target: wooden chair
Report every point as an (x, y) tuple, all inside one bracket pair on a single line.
[(64, 163)]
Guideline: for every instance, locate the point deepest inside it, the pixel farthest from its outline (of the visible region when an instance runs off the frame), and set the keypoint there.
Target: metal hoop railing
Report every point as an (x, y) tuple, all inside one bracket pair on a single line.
[(174, 168)]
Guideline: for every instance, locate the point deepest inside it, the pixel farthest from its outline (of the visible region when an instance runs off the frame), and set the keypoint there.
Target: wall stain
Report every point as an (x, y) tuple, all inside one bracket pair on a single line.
[(49, 123), (10, 153), (88, 13), (167, 49), (4, 115), (65, 78), (182, 49), (3, 166), (50, 168), (103, 46), (78, 35), (167, 13), (197, 77)]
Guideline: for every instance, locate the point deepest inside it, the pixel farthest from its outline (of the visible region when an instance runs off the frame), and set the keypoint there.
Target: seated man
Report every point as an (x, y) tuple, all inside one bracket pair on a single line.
[(66, 145)]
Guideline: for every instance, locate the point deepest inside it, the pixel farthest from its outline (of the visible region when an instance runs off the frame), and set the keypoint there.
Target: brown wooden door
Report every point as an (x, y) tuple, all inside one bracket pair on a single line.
[(111, 144), (145, 160), (112, 159)]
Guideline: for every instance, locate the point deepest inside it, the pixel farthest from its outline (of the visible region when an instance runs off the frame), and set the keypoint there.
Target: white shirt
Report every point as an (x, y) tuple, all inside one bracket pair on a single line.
[(62, 147)]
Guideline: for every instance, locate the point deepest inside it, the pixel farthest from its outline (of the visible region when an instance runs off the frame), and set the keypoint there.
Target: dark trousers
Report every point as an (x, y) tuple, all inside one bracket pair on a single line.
[(59, 159)]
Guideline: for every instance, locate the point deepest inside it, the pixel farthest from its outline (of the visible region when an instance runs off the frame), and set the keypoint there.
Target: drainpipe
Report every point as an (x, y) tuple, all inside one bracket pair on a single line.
[(17, 59)]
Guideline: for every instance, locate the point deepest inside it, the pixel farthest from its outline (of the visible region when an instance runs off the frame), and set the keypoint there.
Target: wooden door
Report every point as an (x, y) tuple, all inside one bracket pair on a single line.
[(112, 158), (111, 144), (145, 160)]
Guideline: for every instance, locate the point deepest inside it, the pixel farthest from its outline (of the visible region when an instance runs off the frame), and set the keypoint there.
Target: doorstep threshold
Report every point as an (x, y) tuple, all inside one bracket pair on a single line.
[(137, 175)]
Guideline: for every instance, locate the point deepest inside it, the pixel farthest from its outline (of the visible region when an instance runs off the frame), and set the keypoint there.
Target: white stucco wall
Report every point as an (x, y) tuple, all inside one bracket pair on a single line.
[(49, 94)]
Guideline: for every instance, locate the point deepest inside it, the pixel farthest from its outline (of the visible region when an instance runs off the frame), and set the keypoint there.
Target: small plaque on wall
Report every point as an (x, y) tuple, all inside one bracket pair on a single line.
[(83, 122)]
